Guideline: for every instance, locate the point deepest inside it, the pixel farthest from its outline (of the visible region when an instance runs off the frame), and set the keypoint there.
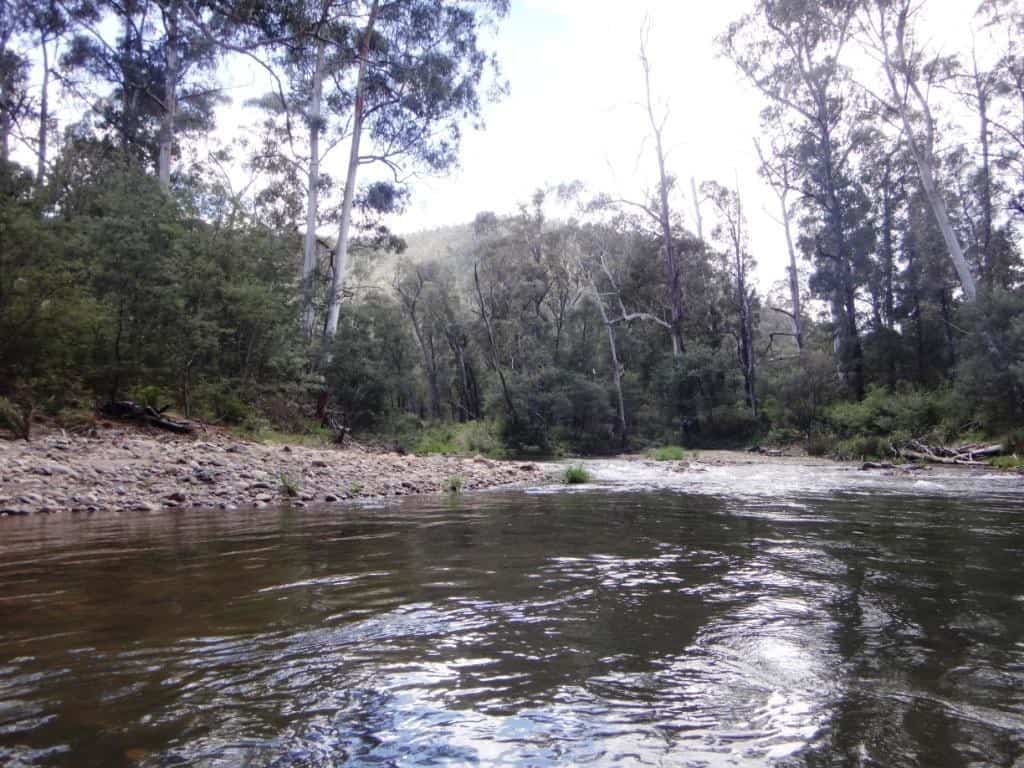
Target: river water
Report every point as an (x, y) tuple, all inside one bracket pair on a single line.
[(742, 616)]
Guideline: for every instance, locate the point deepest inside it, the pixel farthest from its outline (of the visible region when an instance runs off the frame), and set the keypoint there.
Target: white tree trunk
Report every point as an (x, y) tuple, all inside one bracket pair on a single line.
[(312, 194), (897, 66), (794, 276), (341, 252), (166, 140)]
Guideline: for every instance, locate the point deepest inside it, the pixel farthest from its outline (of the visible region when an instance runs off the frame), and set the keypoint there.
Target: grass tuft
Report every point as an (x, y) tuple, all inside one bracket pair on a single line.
[(453, 484), (289, 486)]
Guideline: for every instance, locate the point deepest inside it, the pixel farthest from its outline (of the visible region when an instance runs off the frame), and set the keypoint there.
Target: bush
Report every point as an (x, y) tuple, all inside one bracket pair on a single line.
[(453, 485), (480, 437), (884, 412), (862, 447), (667, 453), (576, 475)]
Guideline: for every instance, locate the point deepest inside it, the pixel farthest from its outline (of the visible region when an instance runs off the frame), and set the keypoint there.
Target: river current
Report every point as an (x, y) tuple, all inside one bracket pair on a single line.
[(769, 614)]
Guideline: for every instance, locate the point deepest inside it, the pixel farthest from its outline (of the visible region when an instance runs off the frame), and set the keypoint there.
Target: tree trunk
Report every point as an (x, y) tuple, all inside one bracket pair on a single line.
[(312, 195), (696, 210), (44, 115), (779, 181), (170, 105), (495, 359), (922, 148), (358, 113), (986, 183), (616, 366), (672, 271), (938, 206)]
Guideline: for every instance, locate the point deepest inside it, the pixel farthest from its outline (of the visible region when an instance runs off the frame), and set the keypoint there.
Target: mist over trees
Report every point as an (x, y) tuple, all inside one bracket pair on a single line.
[(257, 285)]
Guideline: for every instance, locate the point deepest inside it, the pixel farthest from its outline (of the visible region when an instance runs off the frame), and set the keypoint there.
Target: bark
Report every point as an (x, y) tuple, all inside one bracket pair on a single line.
[(345, 225), (312, 195), (170, 105)]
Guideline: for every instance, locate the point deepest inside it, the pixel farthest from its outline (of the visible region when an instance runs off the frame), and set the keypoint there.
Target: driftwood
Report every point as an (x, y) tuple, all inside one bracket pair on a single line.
[(964, 455), (126, 410)]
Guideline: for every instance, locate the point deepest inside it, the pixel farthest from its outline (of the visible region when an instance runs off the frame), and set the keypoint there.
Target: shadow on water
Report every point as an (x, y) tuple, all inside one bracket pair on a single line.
[(820, 624)]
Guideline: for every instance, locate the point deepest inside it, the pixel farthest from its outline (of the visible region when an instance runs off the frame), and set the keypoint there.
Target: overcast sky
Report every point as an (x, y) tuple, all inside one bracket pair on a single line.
[(574, 111)]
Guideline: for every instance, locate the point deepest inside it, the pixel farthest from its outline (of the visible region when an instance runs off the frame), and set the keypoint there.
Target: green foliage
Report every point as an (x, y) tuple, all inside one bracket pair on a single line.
[(453, 484), (884, 412), (575, 475), (423, 438), (667, 453), (368, 378)]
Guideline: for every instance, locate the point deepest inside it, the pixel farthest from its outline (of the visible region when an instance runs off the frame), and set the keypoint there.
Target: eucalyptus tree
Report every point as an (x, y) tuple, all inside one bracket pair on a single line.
[(158, 69), (889, 28), (779, 173), (791, 51), (673, 269), (308, 45), (731, 230), (417, 75)]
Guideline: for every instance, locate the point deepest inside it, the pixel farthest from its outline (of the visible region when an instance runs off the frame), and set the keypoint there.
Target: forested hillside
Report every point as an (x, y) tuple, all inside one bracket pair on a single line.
[(136, 263)]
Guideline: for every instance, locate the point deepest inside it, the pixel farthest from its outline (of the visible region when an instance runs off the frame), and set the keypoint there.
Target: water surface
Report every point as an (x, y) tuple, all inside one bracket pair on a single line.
[(759, 615)]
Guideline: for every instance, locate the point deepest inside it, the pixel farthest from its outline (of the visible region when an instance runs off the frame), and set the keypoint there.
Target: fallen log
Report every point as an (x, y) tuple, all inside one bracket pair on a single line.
[(980, 450), (918, 456), (877, 465), (125, 410)]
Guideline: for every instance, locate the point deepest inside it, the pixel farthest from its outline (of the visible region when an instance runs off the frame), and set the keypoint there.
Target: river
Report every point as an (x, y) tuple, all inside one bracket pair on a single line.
[(768, 614)]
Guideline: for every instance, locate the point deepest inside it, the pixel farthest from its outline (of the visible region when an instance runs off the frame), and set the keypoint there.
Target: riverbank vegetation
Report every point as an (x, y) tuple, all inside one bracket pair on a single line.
[(258, 287)]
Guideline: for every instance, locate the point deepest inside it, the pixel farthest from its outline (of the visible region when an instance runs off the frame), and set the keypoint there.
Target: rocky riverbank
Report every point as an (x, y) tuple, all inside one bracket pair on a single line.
[(125, 469)]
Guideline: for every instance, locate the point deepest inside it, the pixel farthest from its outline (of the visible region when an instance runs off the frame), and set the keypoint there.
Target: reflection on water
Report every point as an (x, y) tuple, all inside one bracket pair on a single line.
[(831, 619)]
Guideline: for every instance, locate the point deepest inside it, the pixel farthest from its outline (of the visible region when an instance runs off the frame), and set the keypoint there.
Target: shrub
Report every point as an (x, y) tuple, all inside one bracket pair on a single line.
[(453, 484), (483, 437), (576, 475), (861, 447), (667, 453), (14, 419)]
